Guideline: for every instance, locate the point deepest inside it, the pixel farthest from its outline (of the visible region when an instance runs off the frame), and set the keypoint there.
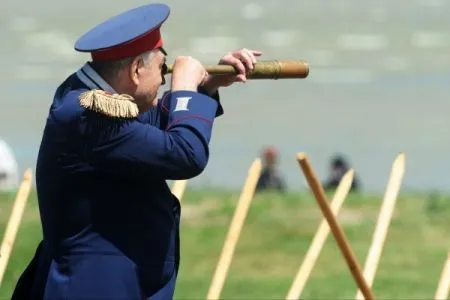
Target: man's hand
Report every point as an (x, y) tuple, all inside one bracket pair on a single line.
[(242, 60), (188, 73)]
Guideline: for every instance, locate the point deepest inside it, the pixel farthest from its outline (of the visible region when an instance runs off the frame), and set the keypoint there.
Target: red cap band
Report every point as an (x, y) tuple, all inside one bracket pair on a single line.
[(139, 45)]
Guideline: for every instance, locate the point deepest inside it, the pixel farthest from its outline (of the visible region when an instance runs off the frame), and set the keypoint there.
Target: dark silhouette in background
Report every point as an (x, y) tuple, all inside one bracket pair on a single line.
[(338, 167)]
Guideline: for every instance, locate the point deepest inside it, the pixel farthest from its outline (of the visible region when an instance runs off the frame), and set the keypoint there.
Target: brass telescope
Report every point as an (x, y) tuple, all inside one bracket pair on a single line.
[(270, 69)]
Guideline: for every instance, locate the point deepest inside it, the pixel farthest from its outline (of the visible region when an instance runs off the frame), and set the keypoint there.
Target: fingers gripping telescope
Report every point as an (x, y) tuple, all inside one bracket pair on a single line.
[(271, 69)]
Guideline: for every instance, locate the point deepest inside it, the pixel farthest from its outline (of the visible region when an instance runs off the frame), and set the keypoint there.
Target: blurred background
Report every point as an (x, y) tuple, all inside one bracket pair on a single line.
[(378, 83)]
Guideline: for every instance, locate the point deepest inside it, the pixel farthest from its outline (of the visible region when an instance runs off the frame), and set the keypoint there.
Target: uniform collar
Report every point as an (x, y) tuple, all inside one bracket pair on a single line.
[(92, 79)]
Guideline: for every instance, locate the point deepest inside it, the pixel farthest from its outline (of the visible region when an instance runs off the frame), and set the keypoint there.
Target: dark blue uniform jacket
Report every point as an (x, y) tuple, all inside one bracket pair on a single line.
[(110, 222)]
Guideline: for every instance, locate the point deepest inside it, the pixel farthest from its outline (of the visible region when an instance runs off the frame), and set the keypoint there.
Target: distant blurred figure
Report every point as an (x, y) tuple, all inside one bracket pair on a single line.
[(338, 167), (9, 174), (270, 178)]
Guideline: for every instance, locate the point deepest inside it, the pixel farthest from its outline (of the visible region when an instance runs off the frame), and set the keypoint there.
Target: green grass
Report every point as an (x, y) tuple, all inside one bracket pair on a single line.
[(276, 235)]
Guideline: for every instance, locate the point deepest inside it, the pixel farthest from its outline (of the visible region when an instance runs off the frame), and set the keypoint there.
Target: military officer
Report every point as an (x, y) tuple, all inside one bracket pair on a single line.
[(110, 223)]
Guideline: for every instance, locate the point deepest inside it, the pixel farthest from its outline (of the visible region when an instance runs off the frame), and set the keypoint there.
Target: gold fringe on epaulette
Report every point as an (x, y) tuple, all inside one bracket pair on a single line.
[(111, 105)]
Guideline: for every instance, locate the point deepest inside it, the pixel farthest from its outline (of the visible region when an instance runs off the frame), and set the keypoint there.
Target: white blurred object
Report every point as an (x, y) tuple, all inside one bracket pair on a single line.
[(9, 173)]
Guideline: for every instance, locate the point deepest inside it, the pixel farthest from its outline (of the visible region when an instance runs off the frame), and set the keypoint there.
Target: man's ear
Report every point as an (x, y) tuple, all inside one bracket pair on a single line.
[(135, 69)]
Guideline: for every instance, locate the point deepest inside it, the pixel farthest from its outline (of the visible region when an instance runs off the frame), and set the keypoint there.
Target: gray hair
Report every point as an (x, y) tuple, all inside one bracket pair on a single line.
[(109, 69)]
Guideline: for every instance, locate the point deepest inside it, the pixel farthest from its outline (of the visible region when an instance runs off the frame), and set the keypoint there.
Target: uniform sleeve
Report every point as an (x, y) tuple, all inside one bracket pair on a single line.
[(216, 96), (157, 116), (180, 151)]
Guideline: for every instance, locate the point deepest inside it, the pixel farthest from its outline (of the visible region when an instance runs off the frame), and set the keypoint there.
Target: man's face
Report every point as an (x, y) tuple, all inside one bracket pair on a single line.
[(148, 79)]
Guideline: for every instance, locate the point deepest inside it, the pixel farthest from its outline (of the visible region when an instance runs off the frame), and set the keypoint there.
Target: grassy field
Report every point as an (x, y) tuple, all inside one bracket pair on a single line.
[(276, 236)]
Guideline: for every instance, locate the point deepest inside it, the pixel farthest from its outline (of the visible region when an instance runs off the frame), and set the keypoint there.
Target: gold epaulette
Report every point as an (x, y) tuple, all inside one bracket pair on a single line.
[(111, 105)]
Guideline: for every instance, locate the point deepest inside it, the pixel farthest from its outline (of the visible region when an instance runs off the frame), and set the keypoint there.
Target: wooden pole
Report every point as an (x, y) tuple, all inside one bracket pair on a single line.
[(384, 219), (338, 233), (178, 188), (319, 238), (444, 282), (14, 222), (234, 230)]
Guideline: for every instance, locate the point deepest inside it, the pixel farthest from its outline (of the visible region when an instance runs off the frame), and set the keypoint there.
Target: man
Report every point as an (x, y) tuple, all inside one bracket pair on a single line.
[(338, 167), (270, 179), (109, 220)]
